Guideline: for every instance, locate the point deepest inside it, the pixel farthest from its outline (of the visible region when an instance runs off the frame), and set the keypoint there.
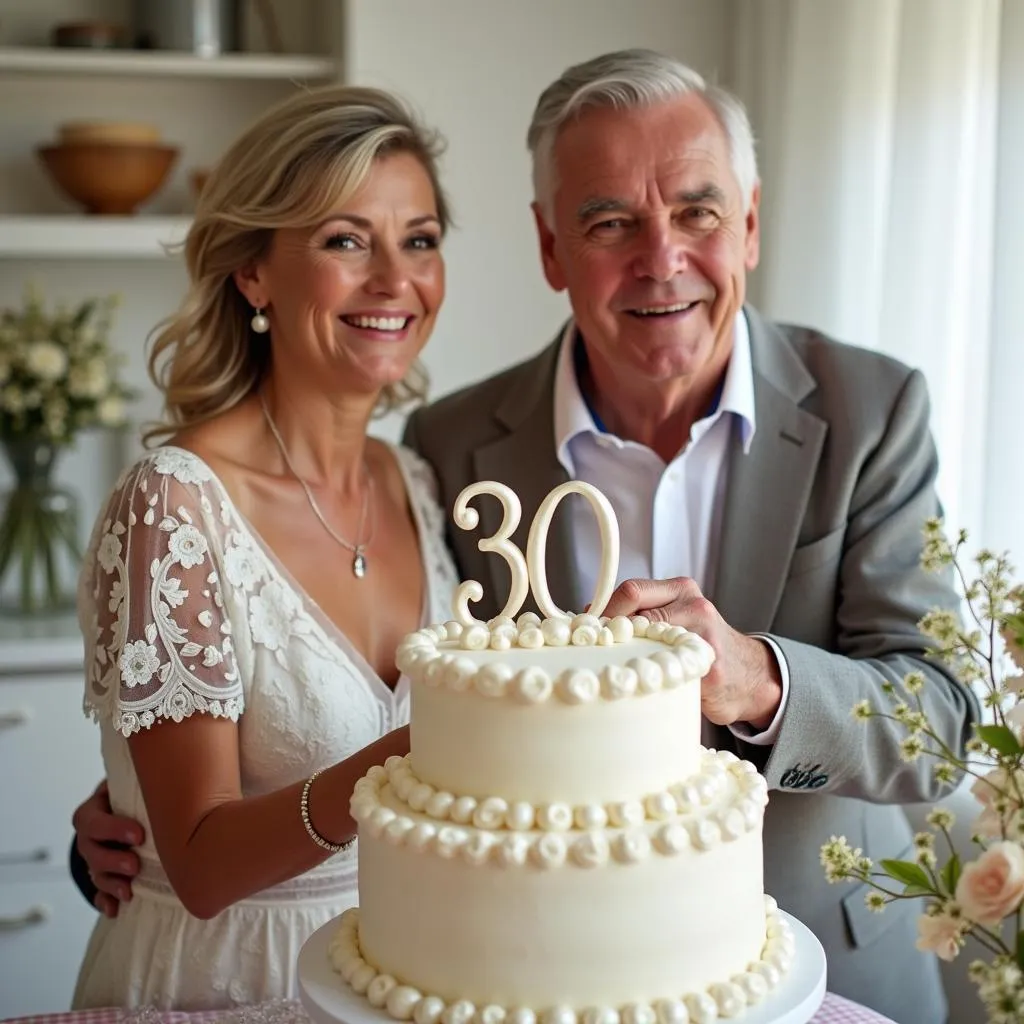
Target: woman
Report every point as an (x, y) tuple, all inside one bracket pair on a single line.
[(240, 658)]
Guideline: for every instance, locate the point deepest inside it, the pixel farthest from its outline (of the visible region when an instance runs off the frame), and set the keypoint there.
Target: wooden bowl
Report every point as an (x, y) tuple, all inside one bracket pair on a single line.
[(108, 178)]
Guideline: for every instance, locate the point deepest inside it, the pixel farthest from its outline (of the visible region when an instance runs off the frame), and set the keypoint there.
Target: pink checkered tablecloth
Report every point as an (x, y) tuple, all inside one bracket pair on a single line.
[(834, 1010)]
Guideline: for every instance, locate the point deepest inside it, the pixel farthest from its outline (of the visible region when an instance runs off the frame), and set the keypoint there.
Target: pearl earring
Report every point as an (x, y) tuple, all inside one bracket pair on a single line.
[(260, 324)]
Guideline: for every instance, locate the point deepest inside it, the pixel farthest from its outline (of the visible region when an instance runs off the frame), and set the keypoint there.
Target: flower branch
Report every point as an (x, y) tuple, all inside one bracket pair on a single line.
[(981, 898)]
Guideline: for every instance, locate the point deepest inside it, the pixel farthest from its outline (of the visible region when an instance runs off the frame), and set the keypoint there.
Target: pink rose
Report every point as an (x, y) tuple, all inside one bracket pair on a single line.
[(989, 825), (1000, 786), (992, 786), (939, 934), (993, 885)]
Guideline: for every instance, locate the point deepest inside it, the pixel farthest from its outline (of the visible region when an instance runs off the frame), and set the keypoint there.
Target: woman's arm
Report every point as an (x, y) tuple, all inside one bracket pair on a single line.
[(218, 847)]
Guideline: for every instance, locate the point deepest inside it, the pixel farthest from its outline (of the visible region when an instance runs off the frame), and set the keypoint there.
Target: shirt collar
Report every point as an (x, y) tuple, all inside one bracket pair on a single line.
[(574, 416)]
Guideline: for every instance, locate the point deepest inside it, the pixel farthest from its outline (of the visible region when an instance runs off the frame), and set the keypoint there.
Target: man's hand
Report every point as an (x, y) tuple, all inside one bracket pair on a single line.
[(102, 838), (744, 683)]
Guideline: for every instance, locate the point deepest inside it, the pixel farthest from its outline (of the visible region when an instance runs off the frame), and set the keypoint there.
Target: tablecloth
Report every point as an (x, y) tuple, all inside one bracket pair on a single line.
[(834, 1010)]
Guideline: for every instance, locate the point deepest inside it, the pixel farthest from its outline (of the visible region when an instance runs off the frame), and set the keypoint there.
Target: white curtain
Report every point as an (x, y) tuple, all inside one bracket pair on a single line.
[(891, 143)]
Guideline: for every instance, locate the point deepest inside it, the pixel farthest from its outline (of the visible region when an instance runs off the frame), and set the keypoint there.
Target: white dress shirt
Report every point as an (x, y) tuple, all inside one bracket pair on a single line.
[(669, 515)]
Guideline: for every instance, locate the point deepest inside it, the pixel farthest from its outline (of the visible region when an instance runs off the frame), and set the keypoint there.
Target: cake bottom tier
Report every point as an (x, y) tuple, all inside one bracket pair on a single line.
[(691, 930)]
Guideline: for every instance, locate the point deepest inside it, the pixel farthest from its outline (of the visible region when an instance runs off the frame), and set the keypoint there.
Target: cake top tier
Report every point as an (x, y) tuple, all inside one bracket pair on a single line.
[(607, 708), (615, 656)]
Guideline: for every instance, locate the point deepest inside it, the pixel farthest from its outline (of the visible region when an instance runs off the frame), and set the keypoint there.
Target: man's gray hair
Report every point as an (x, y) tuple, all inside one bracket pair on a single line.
[(627, 79)]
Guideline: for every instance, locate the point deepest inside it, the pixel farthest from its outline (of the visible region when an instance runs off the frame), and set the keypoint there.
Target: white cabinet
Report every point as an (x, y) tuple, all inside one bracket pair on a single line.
[(48, 744), (49, 761), (44, 928)]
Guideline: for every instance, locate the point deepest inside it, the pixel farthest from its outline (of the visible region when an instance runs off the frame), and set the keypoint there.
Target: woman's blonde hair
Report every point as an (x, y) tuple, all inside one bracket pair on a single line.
[(291, 168)]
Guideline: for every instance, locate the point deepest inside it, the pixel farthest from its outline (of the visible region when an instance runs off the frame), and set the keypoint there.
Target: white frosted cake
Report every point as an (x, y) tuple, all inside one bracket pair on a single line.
[(558, 846)]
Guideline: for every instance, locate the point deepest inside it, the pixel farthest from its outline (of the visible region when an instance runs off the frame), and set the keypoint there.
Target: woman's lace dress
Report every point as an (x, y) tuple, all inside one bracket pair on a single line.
[(184, 612)]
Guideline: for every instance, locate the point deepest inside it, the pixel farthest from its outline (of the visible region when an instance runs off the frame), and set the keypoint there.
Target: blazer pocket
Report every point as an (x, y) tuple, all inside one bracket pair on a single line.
[(819, 552), (867, 925)]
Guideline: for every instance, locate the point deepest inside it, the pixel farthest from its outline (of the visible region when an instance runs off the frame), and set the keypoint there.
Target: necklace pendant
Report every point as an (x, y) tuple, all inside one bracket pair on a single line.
[(359, 565)]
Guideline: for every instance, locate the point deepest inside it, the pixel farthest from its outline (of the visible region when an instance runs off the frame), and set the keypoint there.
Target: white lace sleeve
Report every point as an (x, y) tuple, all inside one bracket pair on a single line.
[(158, 641)]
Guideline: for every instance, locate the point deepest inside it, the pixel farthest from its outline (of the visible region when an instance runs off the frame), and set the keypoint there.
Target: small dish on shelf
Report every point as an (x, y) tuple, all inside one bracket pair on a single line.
[(90, 35), (130, 132)]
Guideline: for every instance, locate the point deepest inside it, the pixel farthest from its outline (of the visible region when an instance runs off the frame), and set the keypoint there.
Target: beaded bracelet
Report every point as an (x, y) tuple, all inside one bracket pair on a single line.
[(313, 834)]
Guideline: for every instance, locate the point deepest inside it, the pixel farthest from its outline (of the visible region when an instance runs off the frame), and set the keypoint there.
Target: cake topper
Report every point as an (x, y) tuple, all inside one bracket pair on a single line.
[(530, 573), (467, 518)]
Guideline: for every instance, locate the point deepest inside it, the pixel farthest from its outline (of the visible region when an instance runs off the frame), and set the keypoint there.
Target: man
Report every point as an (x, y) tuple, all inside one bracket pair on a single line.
[(778, 482), (771, 486)]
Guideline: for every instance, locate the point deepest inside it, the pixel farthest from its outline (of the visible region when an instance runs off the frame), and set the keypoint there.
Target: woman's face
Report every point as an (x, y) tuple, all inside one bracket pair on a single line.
[(352, 301)]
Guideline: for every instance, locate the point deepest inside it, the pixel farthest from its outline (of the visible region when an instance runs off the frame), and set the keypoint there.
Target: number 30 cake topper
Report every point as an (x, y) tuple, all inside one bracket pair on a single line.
[(530, 572)]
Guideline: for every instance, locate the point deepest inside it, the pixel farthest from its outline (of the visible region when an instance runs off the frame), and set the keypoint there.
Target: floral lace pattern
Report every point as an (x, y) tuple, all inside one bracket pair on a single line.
[(163, 645), (161, 628)]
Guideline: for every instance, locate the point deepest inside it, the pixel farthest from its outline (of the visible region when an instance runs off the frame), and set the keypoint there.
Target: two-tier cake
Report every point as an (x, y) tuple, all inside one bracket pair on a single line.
[(558, 845)]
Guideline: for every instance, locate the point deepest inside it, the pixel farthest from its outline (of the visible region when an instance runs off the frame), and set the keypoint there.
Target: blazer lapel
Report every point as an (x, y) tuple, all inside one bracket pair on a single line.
[(525, 459), (769, 486)]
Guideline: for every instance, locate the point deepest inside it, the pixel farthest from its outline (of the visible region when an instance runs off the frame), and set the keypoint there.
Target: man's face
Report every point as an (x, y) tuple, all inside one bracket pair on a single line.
[(649, 237)]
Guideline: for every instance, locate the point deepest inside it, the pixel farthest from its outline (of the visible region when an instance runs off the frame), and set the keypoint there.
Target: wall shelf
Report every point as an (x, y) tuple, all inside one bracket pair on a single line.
[(166, 64), (82, 237)]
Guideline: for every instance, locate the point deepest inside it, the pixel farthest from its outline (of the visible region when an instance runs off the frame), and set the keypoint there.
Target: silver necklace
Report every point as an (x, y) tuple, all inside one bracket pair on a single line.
[(359, 563)]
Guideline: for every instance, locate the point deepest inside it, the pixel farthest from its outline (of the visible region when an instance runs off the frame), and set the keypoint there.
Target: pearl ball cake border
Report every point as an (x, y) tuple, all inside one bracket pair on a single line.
[(686, 658), (725, 999), (723, 801)]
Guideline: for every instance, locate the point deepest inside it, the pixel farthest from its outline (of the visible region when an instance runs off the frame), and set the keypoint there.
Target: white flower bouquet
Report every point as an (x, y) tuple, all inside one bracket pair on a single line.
[(58, 373), (58, 376), (980, 897)]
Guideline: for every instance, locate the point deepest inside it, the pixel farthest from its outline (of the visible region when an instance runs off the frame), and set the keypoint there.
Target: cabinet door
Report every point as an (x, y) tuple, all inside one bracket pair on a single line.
[(50, 757), (44, 928)]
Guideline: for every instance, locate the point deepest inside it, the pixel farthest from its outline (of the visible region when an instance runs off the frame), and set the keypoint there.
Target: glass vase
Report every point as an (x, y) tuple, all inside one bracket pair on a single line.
[(40, 553)]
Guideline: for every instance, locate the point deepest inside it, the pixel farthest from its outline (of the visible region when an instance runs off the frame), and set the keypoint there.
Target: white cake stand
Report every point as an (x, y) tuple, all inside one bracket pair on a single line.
[(328, 1000)]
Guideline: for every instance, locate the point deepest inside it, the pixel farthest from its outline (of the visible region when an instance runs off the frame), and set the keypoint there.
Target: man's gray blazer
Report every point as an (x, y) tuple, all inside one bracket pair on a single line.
[(820, 546)]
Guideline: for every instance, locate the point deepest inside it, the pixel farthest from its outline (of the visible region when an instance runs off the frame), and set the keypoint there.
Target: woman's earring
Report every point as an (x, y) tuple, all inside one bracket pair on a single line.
[(260, 324)]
